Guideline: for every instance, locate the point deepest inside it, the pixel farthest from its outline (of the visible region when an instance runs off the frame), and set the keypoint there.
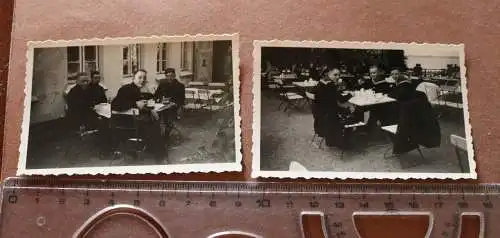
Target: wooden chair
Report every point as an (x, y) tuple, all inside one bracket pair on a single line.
[(460, 146), (436, 96), (168, 122), (353, 126), (289, 98), (79, 132), (78, 138), (393, 130), (125, 133), (310, 97), (271, 85), (191, 100), (204, 99)]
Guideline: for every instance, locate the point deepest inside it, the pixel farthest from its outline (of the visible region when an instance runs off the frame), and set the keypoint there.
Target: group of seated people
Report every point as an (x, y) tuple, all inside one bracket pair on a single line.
[(332, 110), (81, 99), (87, 93), (302, 71)]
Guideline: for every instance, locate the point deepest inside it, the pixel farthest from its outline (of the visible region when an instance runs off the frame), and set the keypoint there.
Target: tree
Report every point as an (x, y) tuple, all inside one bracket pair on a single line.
[(394, 59)]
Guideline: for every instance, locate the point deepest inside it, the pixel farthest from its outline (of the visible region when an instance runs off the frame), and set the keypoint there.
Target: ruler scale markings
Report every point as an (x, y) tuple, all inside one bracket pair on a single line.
[(476, 197)]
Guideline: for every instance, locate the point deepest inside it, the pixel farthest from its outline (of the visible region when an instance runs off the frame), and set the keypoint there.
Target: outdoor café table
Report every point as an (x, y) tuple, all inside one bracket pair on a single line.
[(104, 109), (366, 99), (285, 77), (305, 84)]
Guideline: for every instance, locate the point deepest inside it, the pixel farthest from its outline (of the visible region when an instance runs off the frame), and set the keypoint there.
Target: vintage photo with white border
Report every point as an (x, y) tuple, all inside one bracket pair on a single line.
[(360, 110), (132, 105)]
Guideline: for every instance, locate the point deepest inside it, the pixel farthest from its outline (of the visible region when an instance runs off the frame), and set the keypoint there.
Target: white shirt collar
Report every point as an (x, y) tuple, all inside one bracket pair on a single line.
[(404, 81), (378, 82)]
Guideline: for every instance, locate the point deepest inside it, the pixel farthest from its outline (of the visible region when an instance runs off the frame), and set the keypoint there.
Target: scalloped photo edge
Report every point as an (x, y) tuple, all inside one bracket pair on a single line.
[(257, 171), (132, 169)]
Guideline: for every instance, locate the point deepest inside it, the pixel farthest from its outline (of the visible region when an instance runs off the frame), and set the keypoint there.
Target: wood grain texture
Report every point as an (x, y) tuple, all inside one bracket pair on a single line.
[(474, 23), (6, 8)]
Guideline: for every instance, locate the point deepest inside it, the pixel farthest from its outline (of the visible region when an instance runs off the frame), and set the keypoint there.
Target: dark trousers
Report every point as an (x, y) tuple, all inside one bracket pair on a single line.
[(143, 127), (331, 128), (83, 117), (168, 116), (88, 120), (150, 131), (387, 114)]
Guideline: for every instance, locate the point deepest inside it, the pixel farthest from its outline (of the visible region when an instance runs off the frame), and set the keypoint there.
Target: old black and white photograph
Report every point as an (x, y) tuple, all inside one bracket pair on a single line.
[(360, 110), (159, 104)]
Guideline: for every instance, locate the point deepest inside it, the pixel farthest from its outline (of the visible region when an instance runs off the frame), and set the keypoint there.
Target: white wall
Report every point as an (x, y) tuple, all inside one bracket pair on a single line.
[(111, 68), (49, 81), (50, 75), (149, 64), (431, 59), (174, 57), (174, 52)]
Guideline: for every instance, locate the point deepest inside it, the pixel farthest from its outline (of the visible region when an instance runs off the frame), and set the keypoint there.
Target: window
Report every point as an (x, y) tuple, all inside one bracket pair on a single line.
[(161, 57), (187, 56), (82, 59), (131, 59)]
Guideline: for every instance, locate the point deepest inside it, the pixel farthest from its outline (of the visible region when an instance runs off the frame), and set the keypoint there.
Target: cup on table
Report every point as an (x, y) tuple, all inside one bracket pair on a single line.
[(141, 103), (151, 103)]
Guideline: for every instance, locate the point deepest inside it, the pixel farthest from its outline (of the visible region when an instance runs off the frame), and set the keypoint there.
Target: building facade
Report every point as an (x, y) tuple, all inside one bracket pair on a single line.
[(54, 69)]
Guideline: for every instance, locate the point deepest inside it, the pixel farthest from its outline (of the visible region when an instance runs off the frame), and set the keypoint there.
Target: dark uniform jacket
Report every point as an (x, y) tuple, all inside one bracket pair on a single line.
[(417, 125), (405, 90), (97, 94), (81, 104), (379, 85), (175, 90), (327, 122), (127, 97)]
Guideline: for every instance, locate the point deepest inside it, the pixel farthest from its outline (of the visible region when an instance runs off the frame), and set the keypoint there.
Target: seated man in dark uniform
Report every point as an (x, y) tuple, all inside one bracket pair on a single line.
[(81, 101), (98, 91), (376, 82), (402, 92), (171, 89), (329, 106), (129, 96), (404, 88), (379, 84)]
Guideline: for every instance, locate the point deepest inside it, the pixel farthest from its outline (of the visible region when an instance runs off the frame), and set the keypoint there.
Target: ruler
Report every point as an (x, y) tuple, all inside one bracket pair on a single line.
[(105, 208)]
